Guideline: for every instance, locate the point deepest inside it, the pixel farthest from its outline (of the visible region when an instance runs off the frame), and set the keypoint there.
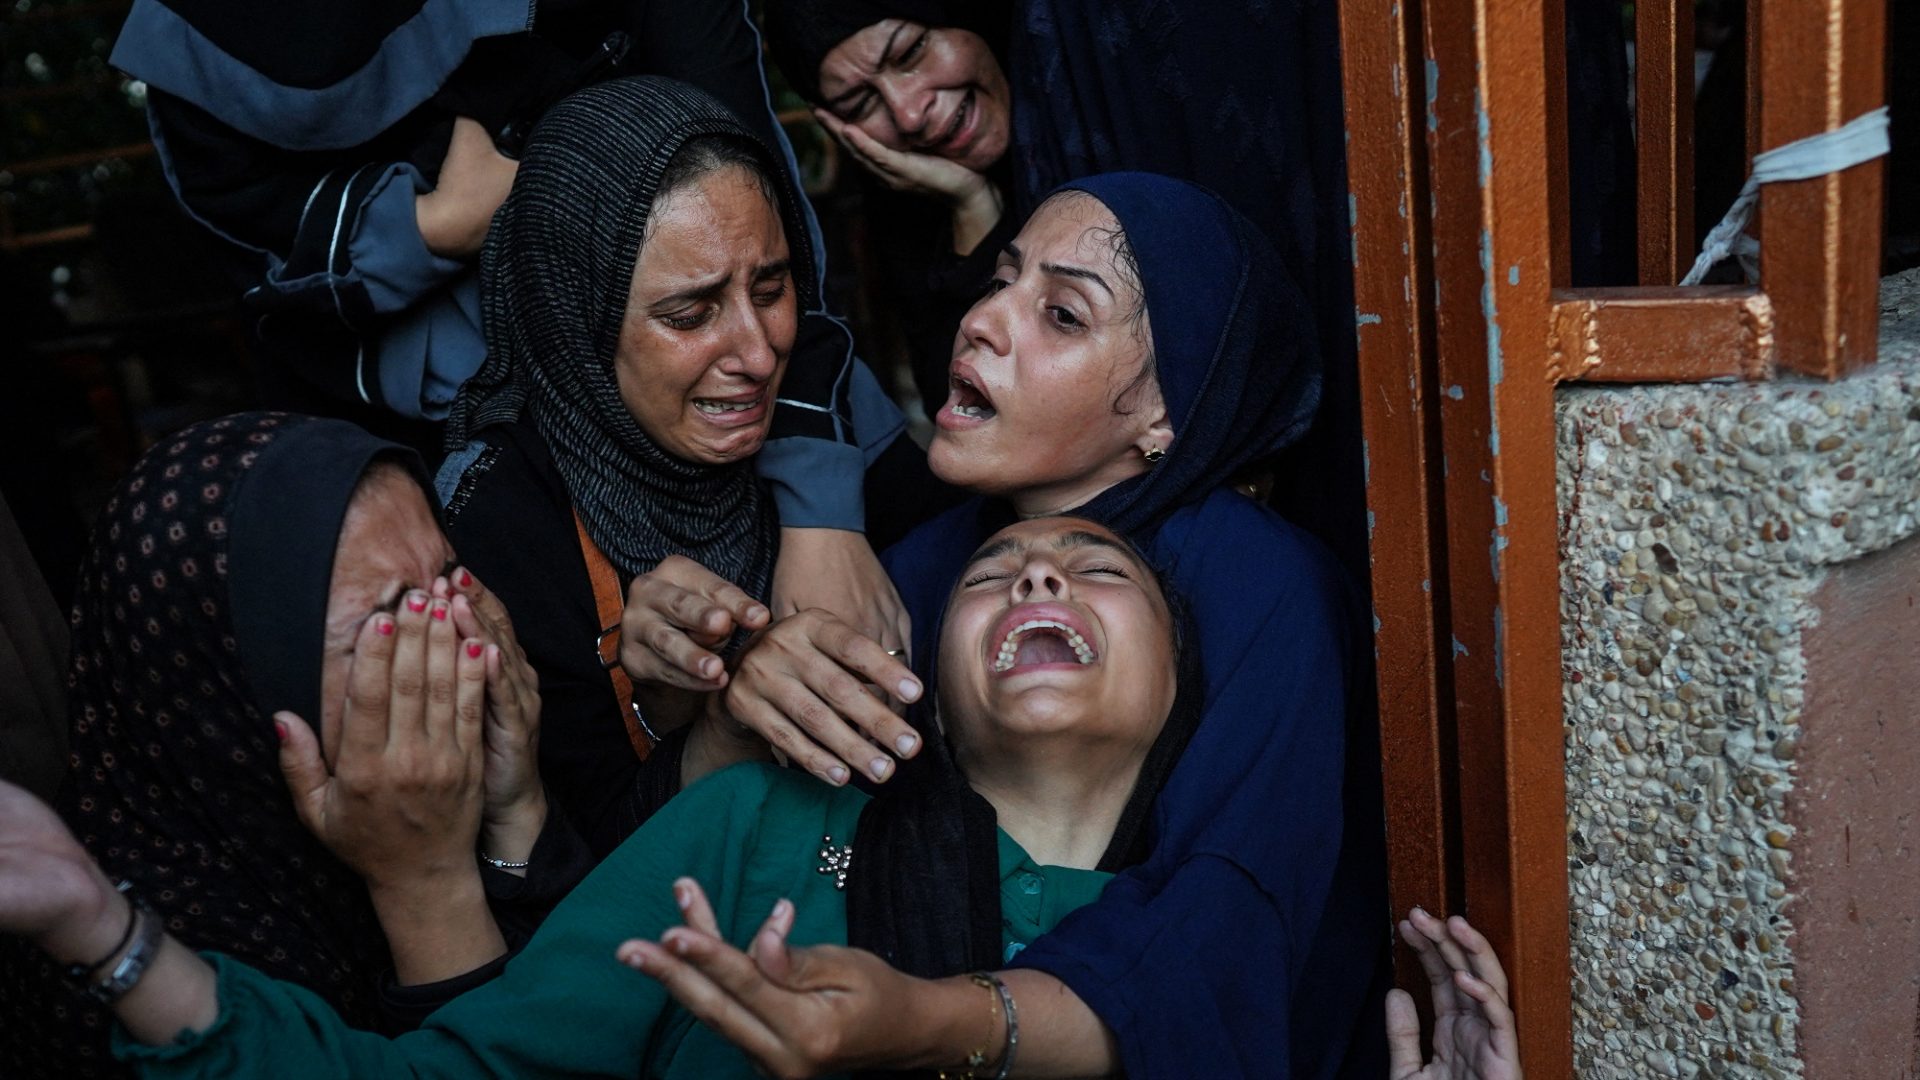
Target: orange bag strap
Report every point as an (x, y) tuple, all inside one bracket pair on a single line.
[(608, 606)]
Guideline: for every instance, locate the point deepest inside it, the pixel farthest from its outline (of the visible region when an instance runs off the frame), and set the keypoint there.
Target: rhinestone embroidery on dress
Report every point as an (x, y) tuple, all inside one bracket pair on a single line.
[(835, 860)]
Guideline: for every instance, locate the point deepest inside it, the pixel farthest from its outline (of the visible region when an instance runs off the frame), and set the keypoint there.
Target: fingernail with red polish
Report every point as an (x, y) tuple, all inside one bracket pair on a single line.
[(466, 579), (280, 729), (474, 649), (440, 612), (417, 602), (383, 625)]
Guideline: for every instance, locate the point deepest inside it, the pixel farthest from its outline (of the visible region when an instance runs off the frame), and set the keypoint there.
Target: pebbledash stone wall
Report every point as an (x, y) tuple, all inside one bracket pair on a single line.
[(1743, 795)]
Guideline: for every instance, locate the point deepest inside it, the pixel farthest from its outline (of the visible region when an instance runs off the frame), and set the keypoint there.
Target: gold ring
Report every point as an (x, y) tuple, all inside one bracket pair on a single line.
[(897, 654)]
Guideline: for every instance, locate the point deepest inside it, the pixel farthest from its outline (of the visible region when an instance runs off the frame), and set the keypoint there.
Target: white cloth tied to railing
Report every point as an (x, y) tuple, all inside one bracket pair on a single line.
[(1859, 140)]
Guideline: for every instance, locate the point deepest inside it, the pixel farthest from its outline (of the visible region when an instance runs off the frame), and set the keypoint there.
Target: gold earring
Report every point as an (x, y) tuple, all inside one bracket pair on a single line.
[(1153, 454)]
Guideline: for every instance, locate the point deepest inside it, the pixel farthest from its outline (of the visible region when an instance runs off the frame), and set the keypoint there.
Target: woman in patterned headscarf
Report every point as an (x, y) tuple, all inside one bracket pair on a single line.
[(644, 286), (230, 584)]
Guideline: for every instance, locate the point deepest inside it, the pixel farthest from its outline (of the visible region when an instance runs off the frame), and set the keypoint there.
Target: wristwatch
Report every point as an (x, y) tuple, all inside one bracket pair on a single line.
[(144, 931)]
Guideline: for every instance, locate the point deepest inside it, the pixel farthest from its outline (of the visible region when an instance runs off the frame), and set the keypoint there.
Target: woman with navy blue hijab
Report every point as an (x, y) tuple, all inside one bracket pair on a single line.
[(1141, 345)]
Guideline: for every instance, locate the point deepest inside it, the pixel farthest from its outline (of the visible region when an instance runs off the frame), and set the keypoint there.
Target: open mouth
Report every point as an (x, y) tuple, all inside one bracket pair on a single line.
[(957, 128), (726, 409), (966, 400), (1040, 642)]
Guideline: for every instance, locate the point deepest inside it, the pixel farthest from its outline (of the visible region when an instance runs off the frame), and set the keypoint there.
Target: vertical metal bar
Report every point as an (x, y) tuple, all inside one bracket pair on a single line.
[(1663, 122), (1489, 170), (1559, 189), (1821, 63), (1393, 325)]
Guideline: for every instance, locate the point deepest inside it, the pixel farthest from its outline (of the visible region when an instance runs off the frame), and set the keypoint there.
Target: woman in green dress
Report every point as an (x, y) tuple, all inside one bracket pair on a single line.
[(1062, 691)]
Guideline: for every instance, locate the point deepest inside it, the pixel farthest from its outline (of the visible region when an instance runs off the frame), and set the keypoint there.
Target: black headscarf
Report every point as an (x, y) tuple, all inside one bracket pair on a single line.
[(800, 33), (924, 893), (555, 275), (199, 613)]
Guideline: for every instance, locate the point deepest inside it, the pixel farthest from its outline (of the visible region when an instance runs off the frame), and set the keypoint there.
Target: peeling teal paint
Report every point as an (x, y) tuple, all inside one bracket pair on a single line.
[(1491, 312), (1369, 524), (1433, 96), (1366, 462), (1365, 318), (1499, 647), (1513, 274), (1426, 585), (1499, 511), (1459, 649), (1456, 393), (1482, 126), (1353, 226)]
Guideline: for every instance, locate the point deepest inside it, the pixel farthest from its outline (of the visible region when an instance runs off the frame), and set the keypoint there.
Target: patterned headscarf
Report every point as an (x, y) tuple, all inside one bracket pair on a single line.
[(555, 276), (174, 780)]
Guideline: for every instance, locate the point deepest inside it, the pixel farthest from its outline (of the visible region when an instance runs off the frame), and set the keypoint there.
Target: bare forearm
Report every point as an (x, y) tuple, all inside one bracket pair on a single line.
[(178, 993), (1059, 1035), (437, 929)]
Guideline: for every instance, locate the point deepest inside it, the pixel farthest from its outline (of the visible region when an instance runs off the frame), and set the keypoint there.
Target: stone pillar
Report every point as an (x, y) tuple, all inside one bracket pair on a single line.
[(1741, 618)]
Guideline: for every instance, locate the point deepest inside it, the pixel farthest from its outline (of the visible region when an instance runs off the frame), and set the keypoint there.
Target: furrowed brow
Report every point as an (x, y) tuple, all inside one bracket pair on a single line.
[(705, 290), (1079, 272), (1006, 545), (1081, 538)]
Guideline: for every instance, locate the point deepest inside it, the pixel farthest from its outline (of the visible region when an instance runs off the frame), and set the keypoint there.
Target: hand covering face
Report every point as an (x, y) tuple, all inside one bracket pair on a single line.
[(201, 610)]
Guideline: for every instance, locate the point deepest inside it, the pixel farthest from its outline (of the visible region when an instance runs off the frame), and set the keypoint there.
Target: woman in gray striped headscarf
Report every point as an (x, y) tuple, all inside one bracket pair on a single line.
[(643, 287)]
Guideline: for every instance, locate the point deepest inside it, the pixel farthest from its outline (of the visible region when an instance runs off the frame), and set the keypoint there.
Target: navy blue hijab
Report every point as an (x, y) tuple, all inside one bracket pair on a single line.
[(1251, 940), (1239, 375)]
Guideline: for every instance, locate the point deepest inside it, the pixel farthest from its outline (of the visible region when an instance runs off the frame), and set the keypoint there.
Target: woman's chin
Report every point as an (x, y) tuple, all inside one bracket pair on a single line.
[(721, 448)]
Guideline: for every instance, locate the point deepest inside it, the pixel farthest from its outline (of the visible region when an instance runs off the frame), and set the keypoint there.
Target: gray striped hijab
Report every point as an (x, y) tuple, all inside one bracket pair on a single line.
[(554, 277)]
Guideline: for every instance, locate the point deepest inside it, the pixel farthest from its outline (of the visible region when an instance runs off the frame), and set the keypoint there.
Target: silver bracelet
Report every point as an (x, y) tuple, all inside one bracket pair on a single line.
[(1013, 1026), (501, 864)]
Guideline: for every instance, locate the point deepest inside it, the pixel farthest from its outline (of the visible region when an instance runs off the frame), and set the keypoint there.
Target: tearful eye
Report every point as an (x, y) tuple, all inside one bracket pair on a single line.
[(913, 50), (1064, 318), (687, 320), (770, 297)]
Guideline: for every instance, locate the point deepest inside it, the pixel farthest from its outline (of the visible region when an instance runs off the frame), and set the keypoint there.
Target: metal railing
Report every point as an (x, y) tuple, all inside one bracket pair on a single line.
[(1457, 165)]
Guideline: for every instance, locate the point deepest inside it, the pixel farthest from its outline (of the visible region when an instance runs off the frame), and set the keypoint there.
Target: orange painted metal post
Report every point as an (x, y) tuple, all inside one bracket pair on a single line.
[(1489, 169), (1559, 189), (1670, 335), (1820, 64), (1663, 121), (1392, 290)]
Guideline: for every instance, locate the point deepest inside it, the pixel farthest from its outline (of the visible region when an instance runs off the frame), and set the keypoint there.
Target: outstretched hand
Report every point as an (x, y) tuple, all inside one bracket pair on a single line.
[(1473, 1028), (794, 1012)]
